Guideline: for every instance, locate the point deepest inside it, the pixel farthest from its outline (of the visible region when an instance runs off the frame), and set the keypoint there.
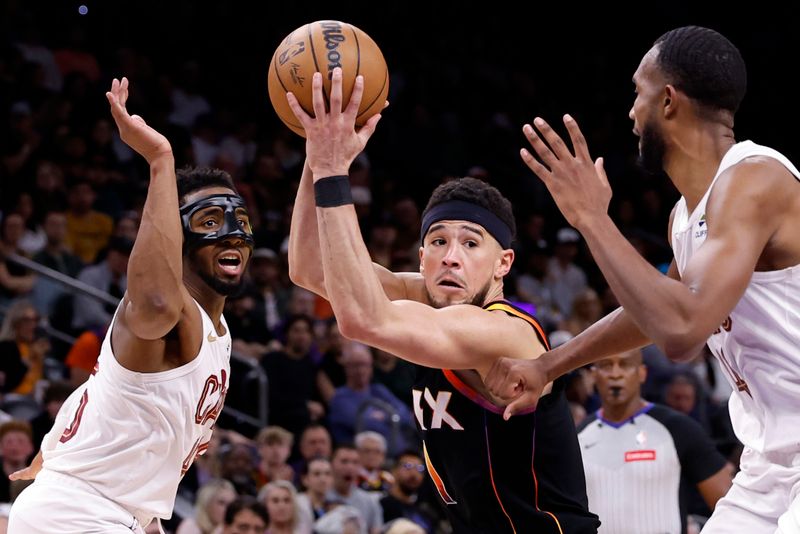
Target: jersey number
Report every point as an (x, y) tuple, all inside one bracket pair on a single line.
[(72, 428)]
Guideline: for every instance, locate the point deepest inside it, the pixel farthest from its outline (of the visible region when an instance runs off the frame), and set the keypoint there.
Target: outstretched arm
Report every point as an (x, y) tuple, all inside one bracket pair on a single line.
[(305, 258), (155, 298), (456, 337), (305, 262), (743, 212)]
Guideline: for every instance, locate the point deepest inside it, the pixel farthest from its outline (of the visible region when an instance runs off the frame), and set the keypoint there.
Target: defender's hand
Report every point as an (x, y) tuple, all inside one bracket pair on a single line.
[(579, 187), (521, 382), (30, 472), (132, 128)]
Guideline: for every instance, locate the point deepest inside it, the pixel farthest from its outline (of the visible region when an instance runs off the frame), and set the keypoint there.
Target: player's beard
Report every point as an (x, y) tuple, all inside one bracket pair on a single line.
[(222, 287), (651, 153), (476, 300)]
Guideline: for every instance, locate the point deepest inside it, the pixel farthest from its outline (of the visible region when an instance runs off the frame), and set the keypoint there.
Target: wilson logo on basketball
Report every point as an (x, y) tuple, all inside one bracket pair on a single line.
[(640, 456), (332, 35)]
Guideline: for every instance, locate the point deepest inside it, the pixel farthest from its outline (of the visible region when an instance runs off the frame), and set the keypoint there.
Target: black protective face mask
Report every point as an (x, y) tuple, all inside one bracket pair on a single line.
[(230, 228)]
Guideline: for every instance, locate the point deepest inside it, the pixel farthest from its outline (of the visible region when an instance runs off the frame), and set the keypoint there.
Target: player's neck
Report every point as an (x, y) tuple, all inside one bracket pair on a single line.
[(211, 302), (621, 412), (694, 160), (494, 294)]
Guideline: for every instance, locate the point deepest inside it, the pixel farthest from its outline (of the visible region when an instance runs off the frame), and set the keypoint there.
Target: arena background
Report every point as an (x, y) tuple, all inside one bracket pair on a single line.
[(463, 81)]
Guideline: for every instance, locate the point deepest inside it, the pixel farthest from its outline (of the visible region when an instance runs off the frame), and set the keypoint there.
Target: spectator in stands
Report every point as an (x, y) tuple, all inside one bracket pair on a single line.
[(586, 310), (15, 280), (88, 231), (261, 310), (395, 373), (331, 372), (209, 508), (362, 405), (270, 295), (83, 354), (274, 447), (318, 482), (292, 375), (372, 476), (23, 348), (403, 498), (127, 225), (49, 192), (245, 514), (16, 448), (280, 499), (566, 280), (55, 255), (110, 276), (239, 466), (315, 442), (345, 466), (533, 285), (32, 239), (54, 396)]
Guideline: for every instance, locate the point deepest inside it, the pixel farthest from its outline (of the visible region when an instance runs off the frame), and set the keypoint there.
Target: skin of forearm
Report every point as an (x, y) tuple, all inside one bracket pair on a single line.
[(155, 268), (613, 334), (660, 306), (305, 263), (354, 290)]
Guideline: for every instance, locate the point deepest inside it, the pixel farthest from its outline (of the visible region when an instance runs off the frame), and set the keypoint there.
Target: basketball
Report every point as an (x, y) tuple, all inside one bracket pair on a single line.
[(322, 46)]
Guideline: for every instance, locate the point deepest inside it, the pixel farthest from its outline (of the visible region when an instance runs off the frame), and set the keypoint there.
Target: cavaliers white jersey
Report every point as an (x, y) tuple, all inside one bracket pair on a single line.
[(758, 345), (132, 436)]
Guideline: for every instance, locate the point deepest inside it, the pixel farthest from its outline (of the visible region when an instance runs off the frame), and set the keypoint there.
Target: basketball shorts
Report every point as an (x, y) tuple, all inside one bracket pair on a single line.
[(67, 505), (765, 497)]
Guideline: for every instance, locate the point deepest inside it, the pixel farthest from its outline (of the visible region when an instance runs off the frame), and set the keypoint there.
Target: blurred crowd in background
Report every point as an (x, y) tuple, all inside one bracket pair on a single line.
[(339, 441)]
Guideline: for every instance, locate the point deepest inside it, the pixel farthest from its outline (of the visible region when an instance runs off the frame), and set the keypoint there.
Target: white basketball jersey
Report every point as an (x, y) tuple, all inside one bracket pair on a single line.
[(131, 435), (758, 345)]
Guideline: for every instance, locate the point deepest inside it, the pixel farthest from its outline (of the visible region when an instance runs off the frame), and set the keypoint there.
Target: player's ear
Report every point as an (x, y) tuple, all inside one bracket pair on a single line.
[(670, 101), (504, 263), (421, 257)]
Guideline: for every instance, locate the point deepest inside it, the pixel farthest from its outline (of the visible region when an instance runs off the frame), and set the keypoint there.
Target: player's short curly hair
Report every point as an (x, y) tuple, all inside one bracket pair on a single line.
[(191, 179), (705, 65)]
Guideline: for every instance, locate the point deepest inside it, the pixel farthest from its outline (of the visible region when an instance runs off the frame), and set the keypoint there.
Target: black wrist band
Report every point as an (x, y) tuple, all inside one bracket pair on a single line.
[(333, 191)]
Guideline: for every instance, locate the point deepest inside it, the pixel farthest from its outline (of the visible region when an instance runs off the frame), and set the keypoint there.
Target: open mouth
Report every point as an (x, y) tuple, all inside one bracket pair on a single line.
[(230, 263), (450, 283), (616, 391)]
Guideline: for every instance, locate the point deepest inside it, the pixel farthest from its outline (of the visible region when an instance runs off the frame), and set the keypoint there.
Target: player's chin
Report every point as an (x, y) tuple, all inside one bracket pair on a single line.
[(228, 286)]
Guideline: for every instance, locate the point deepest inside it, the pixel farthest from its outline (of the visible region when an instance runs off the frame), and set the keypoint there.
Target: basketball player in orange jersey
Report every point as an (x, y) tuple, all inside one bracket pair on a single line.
[(451, 320), (735, 281), (121, 443)]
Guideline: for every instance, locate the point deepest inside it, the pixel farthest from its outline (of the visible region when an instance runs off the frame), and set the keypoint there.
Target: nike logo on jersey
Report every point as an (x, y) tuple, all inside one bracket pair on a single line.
[(211, 337)]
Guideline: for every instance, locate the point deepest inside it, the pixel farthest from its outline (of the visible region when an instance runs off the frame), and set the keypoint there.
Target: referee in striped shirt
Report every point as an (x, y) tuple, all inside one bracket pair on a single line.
[(640, 458)]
